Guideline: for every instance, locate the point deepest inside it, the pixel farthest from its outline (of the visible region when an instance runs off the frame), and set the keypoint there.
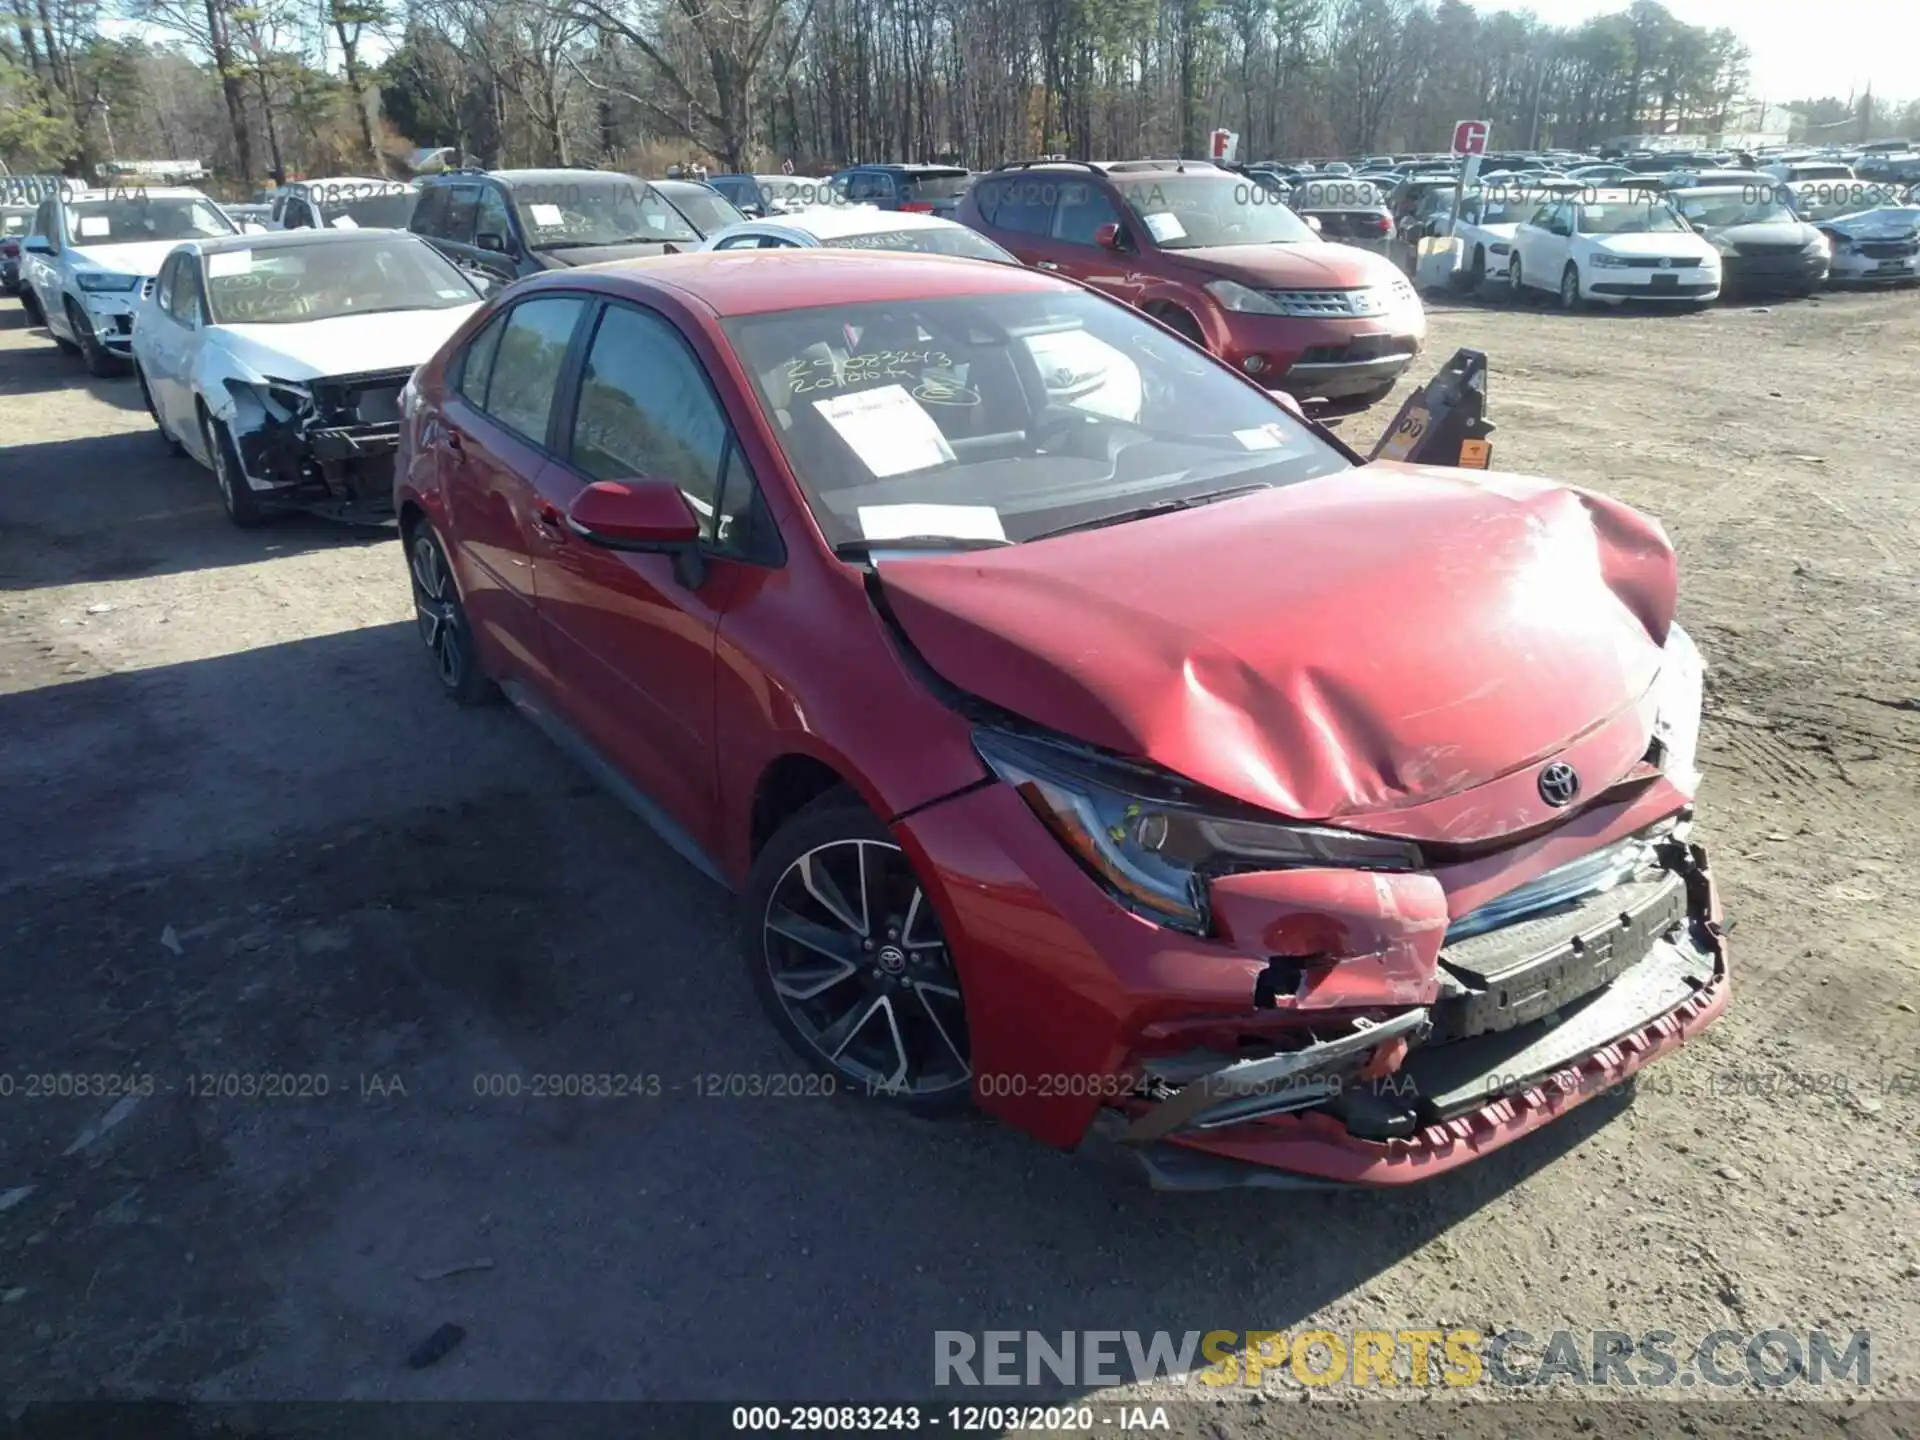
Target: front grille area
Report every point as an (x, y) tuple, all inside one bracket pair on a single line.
[(1759, 250), (1888, 249), (1343, 304), (1656, 262), (369, 398)]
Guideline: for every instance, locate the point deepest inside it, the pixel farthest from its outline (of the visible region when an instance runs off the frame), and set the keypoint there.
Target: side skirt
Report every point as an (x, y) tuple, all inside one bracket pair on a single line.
[(587, 755)]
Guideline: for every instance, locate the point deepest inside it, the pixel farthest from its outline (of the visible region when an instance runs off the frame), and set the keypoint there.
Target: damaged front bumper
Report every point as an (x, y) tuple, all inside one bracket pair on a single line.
[(324, 445), (1185, 1051)]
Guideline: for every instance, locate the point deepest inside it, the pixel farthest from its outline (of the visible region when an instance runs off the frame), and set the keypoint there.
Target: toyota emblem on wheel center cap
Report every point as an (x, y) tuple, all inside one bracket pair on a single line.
[(892, 959), (1559, 783)]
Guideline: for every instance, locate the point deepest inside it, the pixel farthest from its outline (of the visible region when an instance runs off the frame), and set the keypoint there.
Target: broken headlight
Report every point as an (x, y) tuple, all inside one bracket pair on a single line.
[(281, 399), (1153, 840), (1676, 717)]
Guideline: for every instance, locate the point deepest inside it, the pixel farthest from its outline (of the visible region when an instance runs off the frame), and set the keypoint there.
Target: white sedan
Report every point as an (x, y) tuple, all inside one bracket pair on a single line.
[(1613, 246), (277, 361), (859, 227), (1487, 221)]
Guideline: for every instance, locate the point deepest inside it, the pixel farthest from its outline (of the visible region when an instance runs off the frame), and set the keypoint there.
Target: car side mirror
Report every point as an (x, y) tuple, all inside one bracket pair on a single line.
[(645, 515), (37, 245), (1107, 237), (487, 240)]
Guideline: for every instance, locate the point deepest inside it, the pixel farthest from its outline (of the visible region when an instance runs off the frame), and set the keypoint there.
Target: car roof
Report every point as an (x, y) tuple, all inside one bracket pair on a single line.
[(295, 239), (536, 177), (830, 222), (340, 180), (134, 191), (759, 282), (914, 167)]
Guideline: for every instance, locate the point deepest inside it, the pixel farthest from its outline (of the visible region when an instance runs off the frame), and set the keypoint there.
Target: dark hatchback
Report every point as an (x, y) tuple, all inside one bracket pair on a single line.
[(928, 189), (1763, 244), (501, 225)]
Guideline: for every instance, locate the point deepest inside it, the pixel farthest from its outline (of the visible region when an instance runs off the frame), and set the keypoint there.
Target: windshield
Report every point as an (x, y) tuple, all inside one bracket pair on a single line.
[(596, 211), (707, 210), (1748, 207), (1830, 199), (291, 284), (365, 205), (1187, 212), (982, 417), (926, 240), (136, 217), (15, 222), (1630, 217)]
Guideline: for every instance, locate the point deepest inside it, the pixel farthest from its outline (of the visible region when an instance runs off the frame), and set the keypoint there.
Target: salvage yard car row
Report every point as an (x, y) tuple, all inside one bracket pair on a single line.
[(730, 525)]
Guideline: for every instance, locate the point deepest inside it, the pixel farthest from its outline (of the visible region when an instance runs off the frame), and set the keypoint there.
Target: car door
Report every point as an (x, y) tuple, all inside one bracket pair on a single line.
[(157, 344), (632, 635), (1528, 239), (492, 444), (1556, 244), (41, 269), (498, 251), (453, 228), (188, 317), (1080, 209), (1018, 213)]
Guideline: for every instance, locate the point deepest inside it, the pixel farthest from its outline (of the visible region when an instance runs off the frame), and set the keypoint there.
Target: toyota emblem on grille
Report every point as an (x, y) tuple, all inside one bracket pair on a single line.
[(1559, 783)]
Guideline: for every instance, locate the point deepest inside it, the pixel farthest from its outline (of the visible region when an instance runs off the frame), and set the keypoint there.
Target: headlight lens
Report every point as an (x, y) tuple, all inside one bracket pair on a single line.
[(97, 281), (1818, 246), (1149, 841), (282, 399), (1241, 298), (1676, 720), (1604, 261)]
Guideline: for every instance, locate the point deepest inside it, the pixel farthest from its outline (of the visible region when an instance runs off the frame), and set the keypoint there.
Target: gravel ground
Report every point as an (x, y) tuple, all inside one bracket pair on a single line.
[(246, 837)]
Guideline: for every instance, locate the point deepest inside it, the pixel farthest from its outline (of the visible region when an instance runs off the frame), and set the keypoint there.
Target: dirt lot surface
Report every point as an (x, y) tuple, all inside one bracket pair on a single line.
[(245, 837)]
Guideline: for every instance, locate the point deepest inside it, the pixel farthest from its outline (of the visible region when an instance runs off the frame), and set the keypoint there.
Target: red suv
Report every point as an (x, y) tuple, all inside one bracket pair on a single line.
[(1220, 258), (1085, 735)]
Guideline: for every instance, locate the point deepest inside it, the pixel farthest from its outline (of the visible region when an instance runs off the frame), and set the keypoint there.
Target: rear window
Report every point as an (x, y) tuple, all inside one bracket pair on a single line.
[(944, 240), (936, 185)]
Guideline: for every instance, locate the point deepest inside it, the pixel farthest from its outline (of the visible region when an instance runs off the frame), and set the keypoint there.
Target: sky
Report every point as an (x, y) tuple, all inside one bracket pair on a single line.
[(1800, 50)]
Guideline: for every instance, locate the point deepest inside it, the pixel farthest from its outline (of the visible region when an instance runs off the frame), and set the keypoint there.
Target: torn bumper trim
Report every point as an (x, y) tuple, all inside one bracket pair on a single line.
[(354, 442), (1249, 1088)]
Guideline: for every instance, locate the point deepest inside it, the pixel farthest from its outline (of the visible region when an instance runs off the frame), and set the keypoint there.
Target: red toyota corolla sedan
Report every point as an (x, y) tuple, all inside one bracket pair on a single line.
[(1086, 736)]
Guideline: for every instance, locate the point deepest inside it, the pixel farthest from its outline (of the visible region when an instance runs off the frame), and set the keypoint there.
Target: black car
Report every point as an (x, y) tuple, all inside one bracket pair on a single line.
[(1763, 244), (14, 220), (503, 224), (930, 189)]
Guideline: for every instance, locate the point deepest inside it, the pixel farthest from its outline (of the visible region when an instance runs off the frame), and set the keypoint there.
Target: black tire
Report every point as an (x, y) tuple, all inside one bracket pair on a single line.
[(442, 620), (829, 992), (30, 303), (1516, 282), (242, 505), (1570, 300), (100, 361), (1477, 271), (146, 398), (1181, 323)]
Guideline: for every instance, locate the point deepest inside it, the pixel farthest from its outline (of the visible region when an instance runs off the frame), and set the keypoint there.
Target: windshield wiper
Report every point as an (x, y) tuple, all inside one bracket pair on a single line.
[(863, 549), (1158, 507)]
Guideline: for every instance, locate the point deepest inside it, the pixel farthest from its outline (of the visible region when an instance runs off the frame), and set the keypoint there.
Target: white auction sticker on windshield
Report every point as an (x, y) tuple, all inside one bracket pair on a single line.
[(345, 222), (1164, 227), (229, 262), (887, 429), (956, 522), (92, 227), (1271, 436), (547, 217)]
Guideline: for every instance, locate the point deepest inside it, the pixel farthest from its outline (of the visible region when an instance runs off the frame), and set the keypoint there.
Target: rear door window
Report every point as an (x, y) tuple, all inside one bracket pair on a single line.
[(527, 364), (462, 206), (1082, 209)]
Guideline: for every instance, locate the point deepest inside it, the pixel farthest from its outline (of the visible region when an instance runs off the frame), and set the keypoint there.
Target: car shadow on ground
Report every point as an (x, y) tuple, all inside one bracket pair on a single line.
[(111, 507), (300, 859), (45, 369)]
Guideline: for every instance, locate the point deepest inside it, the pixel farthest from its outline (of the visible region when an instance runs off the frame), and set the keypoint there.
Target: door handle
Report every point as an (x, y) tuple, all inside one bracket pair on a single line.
[(452, 437)]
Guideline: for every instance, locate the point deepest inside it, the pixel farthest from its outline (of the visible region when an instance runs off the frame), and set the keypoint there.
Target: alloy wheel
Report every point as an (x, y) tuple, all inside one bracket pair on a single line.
[(1570, 289), (218, 454), (1514, 280), (436, 606), (857, 960)]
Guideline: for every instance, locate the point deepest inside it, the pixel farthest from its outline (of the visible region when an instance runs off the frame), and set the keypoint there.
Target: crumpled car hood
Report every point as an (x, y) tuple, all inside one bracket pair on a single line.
[(1888, 222), (1361, 643), (343, 344)]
